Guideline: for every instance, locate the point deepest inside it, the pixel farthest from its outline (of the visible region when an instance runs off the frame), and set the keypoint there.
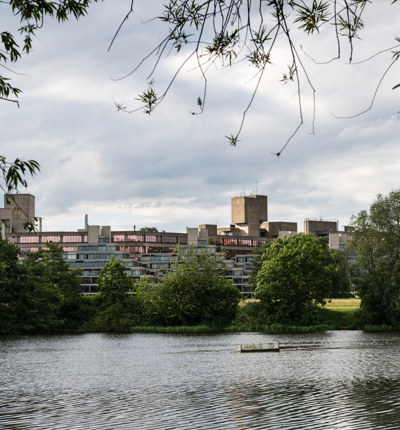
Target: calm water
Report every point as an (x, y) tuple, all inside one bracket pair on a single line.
[(335, 380)]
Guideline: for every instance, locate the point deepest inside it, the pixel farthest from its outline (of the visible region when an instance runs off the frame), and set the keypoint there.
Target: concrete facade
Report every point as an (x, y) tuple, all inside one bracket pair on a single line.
[(149, 253), (319, 226), (248, 213), (18, 210), (279, 228)]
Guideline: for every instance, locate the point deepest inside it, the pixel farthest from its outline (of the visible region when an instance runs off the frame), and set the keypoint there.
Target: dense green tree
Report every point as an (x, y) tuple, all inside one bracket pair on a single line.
[(31, 297), (150, 229), (113, 281), (49, 265), (341, 285), (13, 277), (48, 269), (295, 275), (194, 291), (375, 248), (118, 311)]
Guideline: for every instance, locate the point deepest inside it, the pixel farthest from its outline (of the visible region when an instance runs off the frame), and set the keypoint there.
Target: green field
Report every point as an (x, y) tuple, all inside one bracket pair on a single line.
[(343, 313), (346, 304)]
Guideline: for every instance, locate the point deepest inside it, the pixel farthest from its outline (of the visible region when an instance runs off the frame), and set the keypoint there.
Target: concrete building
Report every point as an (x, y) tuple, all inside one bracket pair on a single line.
[(18, 210), (320, 227), (150, 253), (336, 238), (250, 218)]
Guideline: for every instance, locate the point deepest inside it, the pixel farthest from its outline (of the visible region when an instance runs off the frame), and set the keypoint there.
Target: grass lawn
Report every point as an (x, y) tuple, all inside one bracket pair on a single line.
[(343, 313), (338, 304)]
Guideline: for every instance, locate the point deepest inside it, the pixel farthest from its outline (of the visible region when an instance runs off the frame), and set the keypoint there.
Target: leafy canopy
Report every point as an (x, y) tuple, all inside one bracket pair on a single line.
[(194, 291), (113, 280), (375, 251), (295, 273), (38, 294)]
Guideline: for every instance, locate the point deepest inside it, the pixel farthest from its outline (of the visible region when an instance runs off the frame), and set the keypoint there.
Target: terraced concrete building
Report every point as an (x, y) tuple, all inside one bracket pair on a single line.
[(146, 252)]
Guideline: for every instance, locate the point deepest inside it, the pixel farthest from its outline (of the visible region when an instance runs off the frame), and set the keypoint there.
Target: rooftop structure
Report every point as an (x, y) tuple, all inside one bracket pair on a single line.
[(18, 210)]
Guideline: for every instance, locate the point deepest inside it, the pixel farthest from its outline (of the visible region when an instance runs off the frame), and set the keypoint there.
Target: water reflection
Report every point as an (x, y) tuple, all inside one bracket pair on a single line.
[(335, 380)]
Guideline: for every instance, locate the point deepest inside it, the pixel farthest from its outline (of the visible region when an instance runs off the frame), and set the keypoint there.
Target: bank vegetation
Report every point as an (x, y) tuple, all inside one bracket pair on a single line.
[(300, 286)]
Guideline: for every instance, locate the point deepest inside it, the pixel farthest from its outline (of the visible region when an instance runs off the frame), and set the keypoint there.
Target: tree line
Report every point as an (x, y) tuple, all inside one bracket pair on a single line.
[(292, 278)]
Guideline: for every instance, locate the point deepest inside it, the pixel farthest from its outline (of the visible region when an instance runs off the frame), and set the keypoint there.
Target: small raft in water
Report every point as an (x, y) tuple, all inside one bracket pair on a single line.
[(259, 348)]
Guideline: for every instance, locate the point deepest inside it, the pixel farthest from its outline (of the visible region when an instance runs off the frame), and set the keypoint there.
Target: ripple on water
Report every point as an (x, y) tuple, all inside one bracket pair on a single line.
[(336, 380)]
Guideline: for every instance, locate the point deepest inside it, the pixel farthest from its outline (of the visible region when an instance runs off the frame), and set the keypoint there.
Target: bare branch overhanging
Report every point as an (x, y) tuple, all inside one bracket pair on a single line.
[(228, 32)]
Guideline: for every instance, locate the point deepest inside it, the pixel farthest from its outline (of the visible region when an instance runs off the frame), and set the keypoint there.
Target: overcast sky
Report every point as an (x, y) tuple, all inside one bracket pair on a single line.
[(172, 169)]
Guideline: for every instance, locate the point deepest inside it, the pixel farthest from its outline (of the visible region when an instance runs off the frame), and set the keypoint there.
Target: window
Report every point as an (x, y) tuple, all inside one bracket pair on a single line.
[(165, 257), (135, 237), (258, 242), (135, 249), (118, 238), (169, 239), (51, 239), (152, 238), (69, 248), (230, 241), (168, 250), (30, 249), (152, 249), (245, 242), (128, 263), (136, 272), (182, 240), (103, 240), (73, 238), (29, 239), (111, 248)]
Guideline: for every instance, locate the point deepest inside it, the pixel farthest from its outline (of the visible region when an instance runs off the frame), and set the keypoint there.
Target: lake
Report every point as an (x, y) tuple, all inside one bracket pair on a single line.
[(345, 380)]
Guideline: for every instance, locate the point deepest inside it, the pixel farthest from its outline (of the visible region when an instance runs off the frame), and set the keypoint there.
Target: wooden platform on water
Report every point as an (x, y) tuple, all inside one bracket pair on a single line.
[(254, 348)]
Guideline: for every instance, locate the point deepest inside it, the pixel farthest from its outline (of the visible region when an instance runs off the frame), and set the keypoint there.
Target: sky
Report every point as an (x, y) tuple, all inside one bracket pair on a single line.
[(174, 170)]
